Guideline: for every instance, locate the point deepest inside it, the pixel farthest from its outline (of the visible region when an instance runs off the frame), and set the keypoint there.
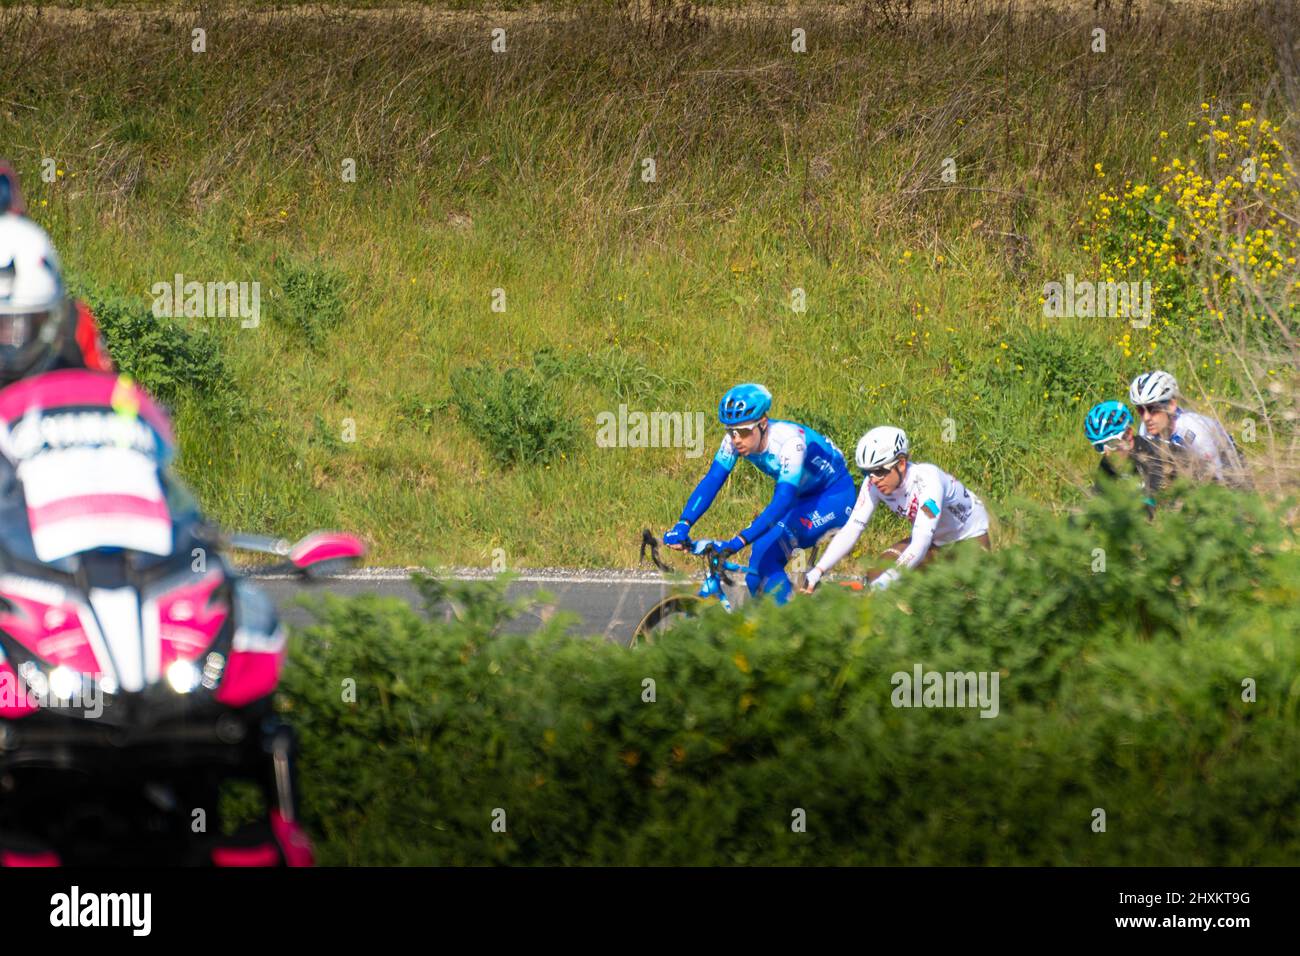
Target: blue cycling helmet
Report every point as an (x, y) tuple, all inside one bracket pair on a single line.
[(744, 403), (1105, 421)]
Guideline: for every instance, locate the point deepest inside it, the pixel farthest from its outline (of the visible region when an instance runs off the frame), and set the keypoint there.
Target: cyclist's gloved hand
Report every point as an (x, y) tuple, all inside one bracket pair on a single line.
[(733, 545), (885, 580), (677, 534), (702, 545)]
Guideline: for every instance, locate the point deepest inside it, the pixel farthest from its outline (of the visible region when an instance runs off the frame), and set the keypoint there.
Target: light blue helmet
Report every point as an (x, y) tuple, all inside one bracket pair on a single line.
[(1106, 420), (744, 403)]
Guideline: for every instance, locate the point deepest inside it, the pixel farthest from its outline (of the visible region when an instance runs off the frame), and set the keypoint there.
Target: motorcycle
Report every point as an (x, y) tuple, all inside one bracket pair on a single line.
[(137, 664)]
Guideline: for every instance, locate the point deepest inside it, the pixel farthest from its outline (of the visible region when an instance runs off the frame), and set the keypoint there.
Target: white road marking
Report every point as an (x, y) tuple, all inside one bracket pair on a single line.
[(558, 577)]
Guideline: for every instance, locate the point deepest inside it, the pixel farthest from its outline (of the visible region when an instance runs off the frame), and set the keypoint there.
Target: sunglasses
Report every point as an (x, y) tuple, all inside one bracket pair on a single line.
[(743, 431), (881, 472), (1113, 444), (1152, 409)]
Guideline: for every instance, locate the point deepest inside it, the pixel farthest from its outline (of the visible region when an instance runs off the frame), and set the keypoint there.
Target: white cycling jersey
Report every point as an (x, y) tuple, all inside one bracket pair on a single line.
[(942, 510), (1204, 438)]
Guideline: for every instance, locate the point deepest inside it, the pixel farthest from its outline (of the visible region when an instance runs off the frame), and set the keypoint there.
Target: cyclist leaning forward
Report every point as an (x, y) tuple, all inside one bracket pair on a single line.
[(942, 510), (814, 488)]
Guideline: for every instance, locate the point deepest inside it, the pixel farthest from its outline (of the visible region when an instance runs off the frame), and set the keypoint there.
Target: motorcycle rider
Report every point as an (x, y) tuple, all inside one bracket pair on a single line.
[(41, 328)]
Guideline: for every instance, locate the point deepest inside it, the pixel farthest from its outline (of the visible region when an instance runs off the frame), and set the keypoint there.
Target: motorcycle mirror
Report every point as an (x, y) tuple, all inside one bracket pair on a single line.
[(326, 552)]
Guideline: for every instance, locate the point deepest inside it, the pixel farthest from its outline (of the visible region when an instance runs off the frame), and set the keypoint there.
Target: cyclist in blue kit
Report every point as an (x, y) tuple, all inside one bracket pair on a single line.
[(814, 489)]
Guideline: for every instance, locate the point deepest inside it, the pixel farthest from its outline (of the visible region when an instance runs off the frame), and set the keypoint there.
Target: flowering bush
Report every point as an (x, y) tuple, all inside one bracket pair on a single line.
[(1212, 234)]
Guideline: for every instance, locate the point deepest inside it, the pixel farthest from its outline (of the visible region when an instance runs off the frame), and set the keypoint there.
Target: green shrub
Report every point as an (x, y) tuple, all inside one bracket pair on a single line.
[(421, 414), (1120, 688), (1062, 366), (169, 361), (513, 413), (616, 372), (309, 300)]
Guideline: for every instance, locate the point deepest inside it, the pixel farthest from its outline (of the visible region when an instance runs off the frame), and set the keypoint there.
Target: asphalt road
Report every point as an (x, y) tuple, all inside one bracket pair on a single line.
[(607, 604)]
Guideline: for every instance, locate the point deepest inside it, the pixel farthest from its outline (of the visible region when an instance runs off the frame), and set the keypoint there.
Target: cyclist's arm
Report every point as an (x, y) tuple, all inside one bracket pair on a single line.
[(783, 495), (1205, 446), (702, 497), (847, 536), (1232, 462), (927, 520), (930, 493)]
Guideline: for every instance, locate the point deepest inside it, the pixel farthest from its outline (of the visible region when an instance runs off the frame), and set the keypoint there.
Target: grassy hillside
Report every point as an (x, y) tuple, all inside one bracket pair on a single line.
[(365, 398)]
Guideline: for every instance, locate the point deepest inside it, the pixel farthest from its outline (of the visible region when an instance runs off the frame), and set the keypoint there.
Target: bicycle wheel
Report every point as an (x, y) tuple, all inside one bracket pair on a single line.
[(663, 616)]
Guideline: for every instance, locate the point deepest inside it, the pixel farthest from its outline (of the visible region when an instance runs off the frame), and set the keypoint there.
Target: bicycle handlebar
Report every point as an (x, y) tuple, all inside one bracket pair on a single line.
[(713, 557), (648, 540)]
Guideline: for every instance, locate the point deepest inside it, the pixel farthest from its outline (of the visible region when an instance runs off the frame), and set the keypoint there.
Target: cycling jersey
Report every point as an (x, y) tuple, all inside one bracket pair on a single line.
[(942, 510), (1206, 441), (794, 453), (1153, 464), (803, 462), (813, 495)]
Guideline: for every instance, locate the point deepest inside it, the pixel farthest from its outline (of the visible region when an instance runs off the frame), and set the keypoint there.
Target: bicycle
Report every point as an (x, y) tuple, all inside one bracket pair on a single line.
[(674, 608)]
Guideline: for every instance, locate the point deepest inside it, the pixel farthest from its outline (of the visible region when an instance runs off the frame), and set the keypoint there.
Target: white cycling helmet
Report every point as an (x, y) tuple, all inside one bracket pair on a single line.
[(881, 447), (1151, 388), (32, 299)]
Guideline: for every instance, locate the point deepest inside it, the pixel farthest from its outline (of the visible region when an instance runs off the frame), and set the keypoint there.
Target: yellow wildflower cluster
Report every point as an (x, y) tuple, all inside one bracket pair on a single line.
[(1204, 227)]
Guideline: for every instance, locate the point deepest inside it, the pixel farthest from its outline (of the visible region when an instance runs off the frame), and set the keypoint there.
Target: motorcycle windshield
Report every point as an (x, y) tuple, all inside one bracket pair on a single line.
[(86, 451)]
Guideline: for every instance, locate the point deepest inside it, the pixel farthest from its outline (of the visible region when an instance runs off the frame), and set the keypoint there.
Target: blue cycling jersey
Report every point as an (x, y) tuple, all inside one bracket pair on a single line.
[(795, 454), (803, 462)]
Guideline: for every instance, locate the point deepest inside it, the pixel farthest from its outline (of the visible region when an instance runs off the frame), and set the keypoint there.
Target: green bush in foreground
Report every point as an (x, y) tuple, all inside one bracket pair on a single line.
[(1120, 689)]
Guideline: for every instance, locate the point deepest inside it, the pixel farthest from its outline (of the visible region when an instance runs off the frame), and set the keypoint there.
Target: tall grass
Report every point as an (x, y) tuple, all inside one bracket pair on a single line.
[(522, 171)]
